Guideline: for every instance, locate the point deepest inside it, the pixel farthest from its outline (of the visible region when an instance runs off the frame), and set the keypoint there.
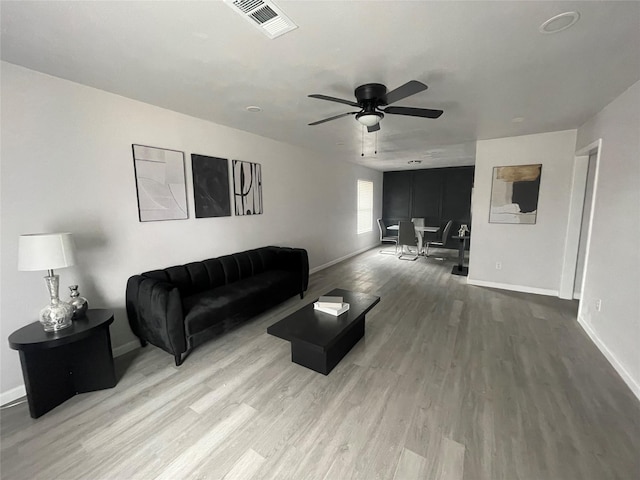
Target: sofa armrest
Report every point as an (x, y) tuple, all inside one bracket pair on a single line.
[(296, 260), (154, 309)]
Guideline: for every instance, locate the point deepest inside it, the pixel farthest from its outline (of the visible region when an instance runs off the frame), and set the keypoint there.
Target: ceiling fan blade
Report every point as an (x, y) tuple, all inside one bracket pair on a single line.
[(373, 128), (414, 112), (333, 99), (410, 88), (333, 118)]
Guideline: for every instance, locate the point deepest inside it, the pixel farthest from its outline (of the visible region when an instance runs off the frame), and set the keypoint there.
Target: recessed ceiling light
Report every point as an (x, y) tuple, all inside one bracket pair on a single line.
[(517, 119), (411, 162), (254, 109), (559, 22)]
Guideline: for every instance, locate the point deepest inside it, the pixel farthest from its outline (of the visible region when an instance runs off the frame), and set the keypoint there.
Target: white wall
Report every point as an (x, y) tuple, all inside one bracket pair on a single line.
[(531, 255), (613, 260), (67, 166)]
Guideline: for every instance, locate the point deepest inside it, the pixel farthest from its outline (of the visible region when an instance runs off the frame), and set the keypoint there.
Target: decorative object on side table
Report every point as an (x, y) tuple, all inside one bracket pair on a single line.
[(79, 304), (463, 230), (47, 251)]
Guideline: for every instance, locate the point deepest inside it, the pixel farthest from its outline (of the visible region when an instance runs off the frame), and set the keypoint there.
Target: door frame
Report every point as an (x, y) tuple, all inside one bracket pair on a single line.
[(574, 220)]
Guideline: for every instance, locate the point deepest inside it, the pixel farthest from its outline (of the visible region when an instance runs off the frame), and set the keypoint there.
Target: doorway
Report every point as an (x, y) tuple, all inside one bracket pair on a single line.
[(583, 196), (585, 223)]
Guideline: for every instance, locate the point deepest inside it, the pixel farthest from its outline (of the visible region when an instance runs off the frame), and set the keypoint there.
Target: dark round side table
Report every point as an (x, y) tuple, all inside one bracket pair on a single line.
[(58, 365)]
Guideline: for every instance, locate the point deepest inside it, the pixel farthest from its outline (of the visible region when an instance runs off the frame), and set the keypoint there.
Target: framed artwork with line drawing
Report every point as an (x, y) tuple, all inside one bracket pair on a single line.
[(247, 188), (160, 183), (514, 194)]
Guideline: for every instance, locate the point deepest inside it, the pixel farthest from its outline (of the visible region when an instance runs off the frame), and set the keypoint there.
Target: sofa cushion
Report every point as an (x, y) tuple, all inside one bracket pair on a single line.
[(238, 301), (263, 259), (197, 277)]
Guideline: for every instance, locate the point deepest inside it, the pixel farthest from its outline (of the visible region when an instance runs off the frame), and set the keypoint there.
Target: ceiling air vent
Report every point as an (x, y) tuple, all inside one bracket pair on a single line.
[(264, 15)]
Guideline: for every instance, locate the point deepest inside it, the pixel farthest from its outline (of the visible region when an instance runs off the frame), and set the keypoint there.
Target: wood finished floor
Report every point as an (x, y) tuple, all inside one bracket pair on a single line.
[(450, 382)]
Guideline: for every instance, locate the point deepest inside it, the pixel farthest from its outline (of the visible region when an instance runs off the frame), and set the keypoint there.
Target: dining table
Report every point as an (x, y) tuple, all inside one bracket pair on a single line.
[(420, 231)]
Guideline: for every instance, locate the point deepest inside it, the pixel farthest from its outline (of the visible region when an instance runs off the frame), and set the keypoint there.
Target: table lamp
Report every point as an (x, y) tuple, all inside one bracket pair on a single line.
[(46, 251)]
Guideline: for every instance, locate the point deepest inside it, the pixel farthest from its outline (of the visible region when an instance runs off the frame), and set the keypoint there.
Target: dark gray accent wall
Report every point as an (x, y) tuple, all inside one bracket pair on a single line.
[(436, 194)]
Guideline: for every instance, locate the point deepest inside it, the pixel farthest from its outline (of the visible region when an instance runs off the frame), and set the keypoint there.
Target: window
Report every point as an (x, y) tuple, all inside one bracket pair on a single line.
[(365, 206)]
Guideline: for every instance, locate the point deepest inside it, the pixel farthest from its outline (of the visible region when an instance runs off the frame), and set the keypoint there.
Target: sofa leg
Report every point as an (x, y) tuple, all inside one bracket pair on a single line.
[(301, 295), (178, 359), (143, 343)]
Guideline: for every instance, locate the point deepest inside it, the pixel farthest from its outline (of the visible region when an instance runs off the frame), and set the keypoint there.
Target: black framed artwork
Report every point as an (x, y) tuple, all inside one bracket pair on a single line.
[(247, 188), (210, 186)]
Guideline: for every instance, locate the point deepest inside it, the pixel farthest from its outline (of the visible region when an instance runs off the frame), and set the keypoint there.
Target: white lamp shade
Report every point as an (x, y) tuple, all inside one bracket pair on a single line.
[(368, 120), (45, 251)]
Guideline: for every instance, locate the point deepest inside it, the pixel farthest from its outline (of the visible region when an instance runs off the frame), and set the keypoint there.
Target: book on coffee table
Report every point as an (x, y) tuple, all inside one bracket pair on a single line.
[(334, 310), (330, 302)]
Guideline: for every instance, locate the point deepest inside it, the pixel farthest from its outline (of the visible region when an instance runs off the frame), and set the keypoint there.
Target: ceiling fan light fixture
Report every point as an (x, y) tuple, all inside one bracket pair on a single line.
[(369, 119)]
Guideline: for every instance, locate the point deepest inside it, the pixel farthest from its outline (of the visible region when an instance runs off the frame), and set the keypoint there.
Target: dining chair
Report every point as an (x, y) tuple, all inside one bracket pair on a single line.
[(386, 238), (407, 237), (442, 241)]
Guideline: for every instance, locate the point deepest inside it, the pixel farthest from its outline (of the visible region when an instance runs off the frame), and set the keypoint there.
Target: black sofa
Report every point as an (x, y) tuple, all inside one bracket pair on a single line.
[(180, 307)]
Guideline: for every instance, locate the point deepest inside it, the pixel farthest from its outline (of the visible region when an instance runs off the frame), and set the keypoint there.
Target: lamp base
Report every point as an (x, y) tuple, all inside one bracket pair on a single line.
[(58, 314), (56, 317)]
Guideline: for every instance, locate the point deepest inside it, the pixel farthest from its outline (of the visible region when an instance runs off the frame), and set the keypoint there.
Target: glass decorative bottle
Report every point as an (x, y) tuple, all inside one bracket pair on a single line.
[(79, 304), (57, 315)]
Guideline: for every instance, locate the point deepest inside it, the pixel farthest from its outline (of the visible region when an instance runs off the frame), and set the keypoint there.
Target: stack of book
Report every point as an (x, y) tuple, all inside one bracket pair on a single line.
[(331, 305)]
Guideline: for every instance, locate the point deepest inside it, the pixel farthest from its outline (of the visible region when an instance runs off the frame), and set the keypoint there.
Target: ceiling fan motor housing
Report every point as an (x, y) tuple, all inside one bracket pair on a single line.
[(371, 95)]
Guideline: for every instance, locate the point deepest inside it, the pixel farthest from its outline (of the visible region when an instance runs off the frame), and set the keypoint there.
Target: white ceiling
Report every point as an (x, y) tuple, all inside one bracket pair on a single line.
[(485, 64)]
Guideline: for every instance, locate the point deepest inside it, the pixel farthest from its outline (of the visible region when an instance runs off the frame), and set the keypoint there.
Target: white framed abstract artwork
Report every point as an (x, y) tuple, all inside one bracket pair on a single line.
[(160, 183), (514, 194)]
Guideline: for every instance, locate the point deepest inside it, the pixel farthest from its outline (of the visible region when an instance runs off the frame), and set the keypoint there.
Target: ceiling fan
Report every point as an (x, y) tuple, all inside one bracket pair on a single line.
[(372, 96)]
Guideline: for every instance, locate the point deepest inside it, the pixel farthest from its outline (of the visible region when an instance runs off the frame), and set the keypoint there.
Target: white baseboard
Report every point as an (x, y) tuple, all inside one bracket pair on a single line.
[(13, 394), (20, 391), (628, 379), (338, 260), (514, 288)]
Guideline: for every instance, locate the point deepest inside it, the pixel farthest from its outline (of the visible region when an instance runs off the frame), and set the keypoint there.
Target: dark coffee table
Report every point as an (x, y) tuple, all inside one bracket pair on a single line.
[(320, 340)]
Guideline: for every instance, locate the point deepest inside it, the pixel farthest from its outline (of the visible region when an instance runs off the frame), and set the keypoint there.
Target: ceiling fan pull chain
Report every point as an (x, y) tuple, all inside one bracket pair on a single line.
[(362, 147), (376, 150)]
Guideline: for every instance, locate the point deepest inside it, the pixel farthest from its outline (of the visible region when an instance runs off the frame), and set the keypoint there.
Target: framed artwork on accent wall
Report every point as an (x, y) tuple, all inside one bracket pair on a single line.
[(247, 187), (211, 186), (514, 194), (160, 183)]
